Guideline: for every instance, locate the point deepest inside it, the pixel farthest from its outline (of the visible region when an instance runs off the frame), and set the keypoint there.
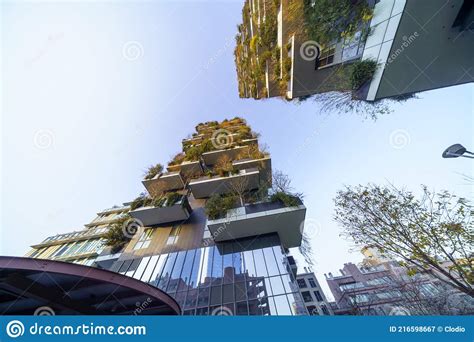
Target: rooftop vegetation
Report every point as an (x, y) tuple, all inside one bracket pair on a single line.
[(153, 171), (177, 159)]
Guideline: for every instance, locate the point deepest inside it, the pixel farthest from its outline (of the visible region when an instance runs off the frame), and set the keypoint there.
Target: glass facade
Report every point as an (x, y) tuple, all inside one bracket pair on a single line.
[(207, 280)]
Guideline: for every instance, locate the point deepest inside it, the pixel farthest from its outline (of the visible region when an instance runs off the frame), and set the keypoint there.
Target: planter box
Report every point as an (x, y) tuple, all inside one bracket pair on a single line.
[(151, 216), (205, 187), (164, 182), (259, 219)]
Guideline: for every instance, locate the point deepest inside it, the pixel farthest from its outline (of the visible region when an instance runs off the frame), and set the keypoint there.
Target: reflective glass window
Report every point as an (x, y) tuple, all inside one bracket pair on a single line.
[(264, 306), (289, 284), (238, 264), (149, 269), (217, 267), (216, 295), (282, 306), (267, 289), (254, 307), (176, 273), (202, 311), (272, 307), (249, 264), (277, 286), (141, 268), (206, 268), (228, 265), (271, 262), (186, 272), (280, 259), (191, 299), (240, 291), (227, 293), (242, 308), (203, 296), (167, 269), (155, 276), (260, 267), (196, 269), (133, 267)]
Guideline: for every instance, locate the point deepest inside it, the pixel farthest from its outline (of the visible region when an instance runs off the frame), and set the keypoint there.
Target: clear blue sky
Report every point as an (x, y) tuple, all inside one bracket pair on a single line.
[(82, 117)]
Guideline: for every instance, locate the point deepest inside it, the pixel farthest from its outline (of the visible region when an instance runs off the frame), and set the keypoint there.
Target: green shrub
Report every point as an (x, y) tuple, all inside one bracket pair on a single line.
[(206, 146), (327, 20), (263, 59), (192, 154), (115, 236), (287, 64), (153, 171), (276, 54), (277, 70), (141, 201), (287, 199), (177, 159), (218, 205), (173, 198), (169, 199), (361, 72)]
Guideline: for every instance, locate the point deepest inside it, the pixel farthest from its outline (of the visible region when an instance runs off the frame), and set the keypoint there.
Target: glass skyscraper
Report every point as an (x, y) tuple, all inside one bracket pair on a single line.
[(211, 231)]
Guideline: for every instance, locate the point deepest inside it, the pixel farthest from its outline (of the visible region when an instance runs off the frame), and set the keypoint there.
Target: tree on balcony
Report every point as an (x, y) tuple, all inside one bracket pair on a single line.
[(153, 171), (115, 236), (218, 205), (434, 234)]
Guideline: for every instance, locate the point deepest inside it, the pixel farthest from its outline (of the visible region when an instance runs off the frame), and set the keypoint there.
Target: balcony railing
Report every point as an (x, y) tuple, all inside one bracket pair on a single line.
[(164, 182), (205, 187), (261, 218), (151, 216), (263, 164), (73, 236)]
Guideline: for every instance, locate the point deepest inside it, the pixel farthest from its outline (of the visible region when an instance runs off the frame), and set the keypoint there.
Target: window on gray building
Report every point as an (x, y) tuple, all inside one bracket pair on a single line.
[(301, 283), (312, 282), (307, 296), (318, 296)]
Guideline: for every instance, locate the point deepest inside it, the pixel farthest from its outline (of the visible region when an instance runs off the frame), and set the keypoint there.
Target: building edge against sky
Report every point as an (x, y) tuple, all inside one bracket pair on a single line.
[(211, 231), (411, 41)]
